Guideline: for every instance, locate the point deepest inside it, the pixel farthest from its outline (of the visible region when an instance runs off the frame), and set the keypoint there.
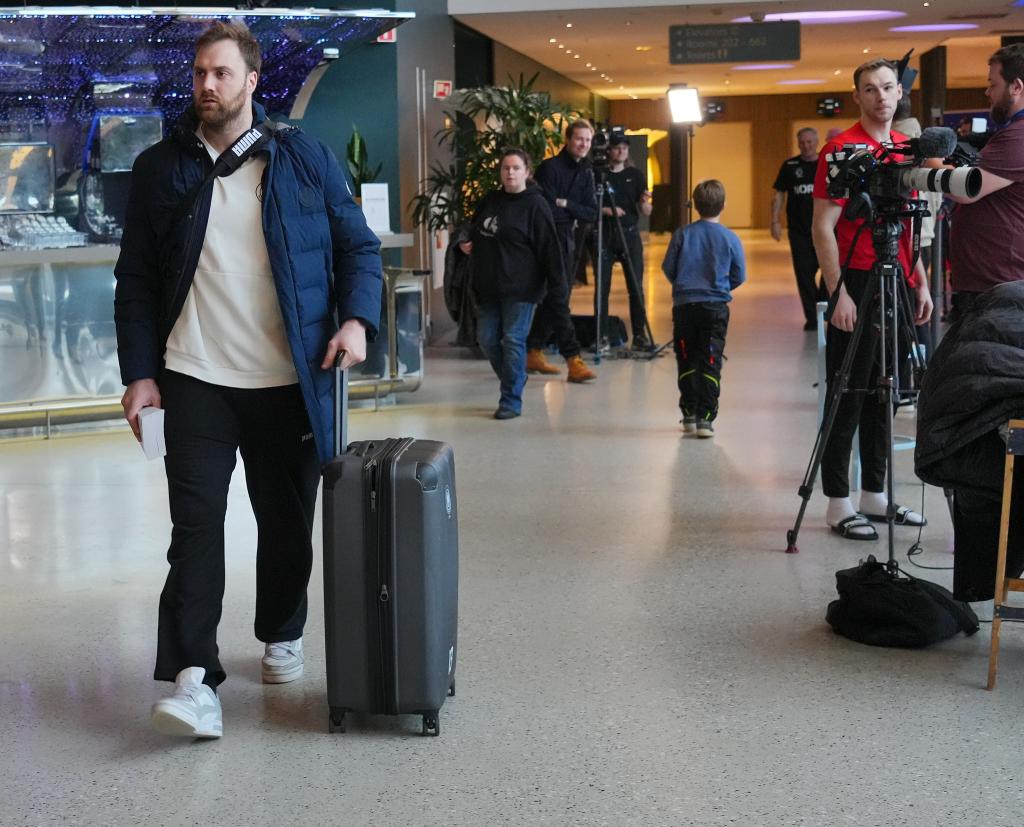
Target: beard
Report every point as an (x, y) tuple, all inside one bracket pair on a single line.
[(1001, 110), (224, 112)]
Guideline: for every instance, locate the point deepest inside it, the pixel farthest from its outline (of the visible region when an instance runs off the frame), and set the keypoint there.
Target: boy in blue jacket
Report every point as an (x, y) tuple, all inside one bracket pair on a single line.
[(705, 264)]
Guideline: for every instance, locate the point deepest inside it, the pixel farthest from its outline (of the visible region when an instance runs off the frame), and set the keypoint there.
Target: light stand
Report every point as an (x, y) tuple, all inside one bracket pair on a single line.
[(684, 105)]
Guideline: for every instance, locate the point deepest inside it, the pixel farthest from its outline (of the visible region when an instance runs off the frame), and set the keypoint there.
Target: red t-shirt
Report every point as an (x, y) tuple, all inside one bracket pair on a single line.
[(864, 254), (986, 245)]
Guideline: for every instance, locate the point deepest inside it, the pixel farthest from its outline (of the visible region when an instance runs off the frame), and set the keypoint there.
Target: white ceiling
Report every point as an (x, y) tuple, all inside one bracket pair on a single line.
[(609, 38)]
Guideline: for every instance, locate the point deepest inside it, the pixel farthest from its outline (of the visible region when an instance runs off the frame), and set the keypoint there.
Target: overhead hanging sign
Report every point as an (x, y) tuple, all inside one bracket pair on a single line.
[(734, 42)]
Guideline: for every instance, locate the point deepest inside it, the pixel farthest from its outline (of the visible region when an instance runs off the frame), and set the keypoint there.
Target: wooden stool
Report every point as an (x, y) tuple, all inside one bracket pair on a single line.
[(1004, 584)]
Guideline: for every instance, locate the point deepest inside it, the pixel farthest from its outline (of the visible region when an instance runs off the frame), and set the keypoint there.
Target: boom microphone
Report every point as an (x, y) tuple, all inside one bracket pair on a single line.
[(935, 142)]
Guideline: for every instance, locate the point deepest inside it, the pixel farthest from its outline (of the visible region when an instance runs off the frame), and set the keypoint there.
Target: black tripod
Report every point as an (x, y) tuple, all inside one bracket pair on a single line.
[(885, 304), (633, 279)]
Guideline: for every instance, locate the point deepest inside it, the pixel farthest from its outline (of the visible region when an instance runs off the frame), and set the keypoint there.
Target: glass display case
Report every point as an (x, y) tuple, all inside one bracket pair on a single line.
[(84, 90)]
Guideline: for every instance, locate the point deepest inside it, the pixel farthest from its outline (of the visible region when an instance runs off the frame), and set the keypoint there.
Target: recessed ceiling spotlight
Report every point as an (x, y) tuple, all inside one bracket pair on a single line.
[(568, 25), (634, 97), (590, 66), (552, 40), (575, 57), (643, 48), (622, 87), (866, 51), (801, 82), (561, 45), (838, 72), (593, 68), (727, 81), (603, 75)]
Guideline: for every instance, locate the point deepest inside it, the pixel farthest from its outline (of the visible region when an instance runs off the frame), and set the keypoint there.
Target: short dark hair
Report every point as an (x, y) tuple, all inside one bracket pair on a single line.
[(242, 37), (709, 198), (874, 65), (579, 123), (800, 132), (1011, 62), (522, 154)]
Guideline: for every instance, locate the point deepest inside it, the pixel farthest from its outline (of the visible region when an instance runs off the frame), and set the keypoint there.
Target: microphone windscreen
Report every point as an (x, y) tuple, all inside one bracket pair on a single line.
[(936, 142)]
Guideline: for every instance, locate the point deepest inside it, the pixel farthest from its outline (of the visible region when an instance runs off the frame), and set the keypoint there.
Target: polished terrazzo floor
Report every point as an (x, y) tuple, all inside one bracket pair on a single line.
[(635, 648)]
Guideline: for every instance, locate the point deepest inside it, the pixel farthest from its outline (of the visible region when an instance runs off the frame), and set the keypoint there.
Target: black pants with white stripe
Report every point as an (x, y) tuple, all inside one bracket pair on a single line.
[(205, 427)]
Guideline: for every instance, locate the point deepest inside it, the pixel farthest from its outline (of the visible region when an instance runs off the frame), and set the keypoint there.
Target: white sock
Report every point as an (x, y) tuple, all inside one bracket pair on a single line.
[(873, 502), (839, 508)]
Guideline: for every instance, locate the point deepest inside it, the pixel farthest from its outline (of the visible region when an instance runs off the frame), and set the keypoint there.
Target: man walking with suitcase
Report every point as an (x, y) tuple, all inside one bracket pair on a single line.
[(231, 282)]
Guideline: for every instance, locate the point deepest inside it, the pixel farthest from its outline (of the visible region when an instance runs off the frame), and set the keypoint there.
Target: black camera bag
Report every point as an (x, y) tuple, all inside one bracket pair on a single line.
[(880, 608)]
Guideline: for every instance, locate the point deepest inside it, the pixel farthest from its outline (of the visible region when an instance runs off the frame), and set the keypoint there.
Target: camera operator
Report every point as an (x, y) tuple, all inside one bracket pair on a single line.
[(568, 183), (876, 92), (627, 187), (795, 185), (987, 233)]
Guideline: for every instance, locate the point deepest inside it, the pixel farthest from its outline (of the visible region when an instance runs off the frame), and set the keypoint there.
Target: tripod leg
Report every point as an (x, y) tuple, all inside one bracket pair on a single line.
[(633, 280), (839, 388)]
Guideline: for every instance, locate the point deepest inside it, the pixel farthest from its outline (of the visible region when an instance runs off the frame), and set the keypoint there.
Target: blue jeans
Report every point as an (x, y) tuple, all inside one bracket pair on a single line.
[(501, 331)]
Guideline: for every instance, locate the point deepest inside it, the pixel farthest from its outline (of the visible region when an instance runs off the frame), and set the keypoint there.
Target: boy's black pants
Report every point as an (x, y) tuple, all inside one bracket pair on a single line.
[(205, 425), (698, 338)]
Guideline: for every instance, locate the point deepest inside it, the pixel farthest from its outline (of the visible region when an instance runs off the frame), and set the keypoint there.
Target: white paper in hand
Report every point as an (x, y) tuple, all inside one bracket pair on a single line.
[(151, 424)]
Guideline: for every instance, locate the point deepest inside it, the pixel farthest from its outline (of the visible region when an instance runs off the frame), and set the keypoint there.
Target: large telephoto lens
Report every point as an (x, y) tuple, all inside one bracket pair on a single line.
[(963, 182)]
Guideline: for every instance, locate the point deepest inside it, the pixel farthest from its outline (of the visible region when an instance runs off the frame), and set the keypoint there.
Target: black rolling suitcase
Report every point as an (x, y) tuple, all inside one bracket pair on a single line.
[(391, 575)]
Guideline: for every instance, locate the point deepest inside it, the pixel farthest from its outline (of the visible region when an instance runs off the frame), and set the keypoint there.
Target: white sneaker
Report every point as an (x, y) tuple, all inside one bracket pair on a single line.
[(193, 710), (282, 662)]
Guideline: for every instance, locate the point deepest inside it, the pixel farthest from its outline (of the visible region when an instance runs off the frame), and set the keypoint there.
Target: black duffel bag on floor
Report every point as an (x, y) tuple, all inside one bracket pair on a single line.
[(880, 608)]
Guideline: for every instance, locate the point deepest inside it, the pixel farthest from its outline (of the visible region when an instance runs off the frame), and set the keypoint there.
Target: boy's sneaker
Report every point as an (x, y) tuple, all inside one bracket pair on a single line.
[(689, 424), (192, 711), (282, 662), (705, 429)]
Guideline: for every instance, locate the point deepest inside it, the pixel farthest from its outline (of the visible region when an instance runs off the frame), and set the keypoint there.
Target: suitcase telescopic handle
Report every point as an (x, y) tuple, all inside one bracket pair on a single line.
[(340, 406)]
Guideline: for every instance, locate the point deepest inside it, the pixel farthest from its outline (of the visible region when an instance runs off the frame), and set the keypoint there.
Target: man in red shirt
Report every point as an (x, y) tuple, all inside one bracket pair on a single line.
[(987, 238), (876, 91)]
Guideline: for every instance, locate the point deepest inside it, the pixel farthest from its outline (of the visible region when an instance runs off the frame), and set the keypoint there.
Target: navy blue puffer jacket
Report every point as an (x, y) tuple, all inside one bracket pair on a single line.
[(325, 260)]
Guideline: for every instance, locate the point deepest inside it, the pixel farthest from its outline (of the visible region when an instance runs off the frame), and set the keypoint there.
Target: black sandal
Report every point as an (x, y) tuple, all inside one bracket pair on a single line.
[(900, 517), (844, 528)]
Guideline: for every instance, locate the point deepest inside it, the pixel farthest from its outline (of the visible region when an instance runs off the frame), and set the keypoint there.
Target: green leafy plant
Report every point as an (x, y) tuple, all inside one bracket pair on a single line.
[(358, 164), (483, 122)]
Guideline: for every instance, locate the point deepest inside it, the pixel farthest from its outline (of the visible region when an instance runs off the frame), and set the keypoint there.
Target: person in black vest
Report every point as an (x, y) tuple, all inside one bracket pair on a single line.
[(568, 183), (516, 257), (627, 187), (795, 185)]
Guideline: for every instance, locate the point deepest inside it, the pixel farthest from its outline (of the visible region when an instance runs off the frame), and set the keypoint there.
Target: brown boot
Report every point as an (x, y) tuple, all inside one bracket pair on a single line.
[(578, 371), (536, 363)]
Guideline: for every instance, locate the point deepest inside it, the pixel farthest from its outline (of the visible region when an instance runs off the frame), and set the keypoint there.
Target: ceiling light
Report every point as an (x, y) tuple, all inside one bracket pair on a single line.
[(568, 25), (643, 48), (593, 68), (634, 97), (575, 57), (758, 67), (590, 66), (552, 40), (838, 72), (935, 27), (800, 82), (865, 51), (561, 45), (836, 16), (727, 82)]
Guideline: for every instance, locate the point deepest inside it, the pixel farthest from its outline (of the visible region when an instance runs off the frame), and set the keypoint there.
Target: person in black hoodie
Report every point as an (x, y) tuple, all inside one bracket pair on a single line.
[(567, 180), (516, 258)]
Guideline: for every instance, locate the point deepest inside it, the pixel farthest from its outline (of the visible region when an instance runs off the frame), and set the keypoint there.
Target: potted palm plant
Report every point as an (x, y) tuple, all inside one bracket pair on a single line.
[(483, 122), (358, 163)]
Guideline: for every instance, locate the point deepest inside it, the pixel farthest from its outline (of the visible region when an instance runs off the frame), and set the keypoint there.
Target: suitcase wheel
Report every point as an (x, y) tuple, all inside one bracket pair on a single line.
[(451, 689), (336, 722), (431, 726)]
